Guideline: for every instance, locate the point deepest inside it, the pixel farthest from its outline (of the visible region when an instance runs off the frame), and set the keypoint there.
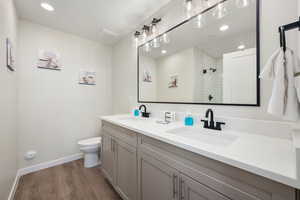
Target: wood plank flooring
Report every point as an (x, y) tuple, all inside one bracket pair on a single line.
[(70, 181)]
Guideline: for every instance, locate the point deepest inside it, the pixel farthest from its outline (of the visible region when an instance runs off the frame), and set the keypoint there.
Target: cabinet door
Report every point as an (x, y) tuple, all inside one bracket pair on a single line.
[(108, 157), (126, 170), (192, 190), (158, 180)]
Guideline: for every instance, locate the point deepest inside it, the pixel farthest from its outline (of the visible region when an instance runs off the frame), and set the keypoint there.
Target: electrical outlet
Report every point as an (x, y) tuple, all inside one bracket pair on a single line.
[(30, 155)]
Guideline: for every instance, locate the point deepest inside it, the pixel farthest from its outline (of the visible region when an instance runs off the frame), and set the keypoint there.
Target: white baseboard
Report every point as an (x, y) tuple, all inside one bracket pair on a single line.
[(14, 187), (49, 164)]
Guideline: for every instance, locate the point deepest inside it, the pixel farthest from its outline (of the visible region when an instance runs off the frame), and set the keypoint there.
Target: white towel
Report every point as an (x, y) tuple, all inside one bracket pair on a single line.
[(283, 69)]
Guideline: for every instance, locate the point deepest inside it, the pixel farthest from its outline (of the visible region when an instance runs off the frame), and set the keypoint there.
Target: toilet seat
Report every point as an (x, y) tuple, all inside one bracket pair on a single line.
[(96, 141)]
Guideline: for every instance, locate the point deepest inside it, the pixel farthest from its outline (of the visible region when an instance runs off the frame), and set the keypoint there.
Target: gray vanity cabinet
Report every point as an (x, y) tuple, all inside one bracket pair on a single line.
[(157, 180), (107, 156), (192, 190), (119, 160), (126, 170), (144, 168)]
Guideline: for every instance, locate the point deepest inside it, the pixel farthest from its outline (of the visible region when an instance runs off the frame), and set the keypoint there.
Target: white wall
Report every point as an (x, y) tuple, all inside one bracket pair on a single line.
[(209, 83), (148, 90), (8, 98), (54, 110), (298, 35), (124, 84), (125, 57), (181, 64), (239, 76)]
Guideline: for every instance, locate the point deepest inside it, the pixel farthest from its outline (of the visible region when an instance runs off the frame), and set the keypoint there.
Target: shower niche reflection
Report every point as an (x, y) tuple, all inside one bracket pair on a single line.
[(208, 60)]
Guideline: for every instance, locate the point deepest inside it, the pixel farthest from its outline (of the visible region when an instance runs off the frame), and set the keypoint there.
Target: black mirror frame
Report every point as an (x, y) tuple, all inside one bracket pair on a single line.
[(258, 101)]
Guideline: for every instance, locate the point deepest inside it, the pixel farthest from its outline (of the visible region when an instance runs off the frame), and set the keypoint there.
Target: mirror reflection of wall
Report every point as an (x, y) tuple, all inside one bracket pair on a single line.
[(215, 63)]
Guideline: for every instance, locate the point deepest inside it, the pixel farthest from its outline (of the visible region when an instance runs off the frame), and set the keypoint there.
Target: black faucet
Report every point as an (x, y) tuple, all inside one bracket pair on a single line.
[(211, 124), (144, 113)]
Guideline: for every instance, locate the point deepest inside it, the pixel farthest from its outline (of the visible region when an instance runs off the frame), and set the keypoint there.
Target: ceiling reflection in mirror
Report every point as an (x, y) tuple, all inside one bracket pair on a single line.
[(206, 60)]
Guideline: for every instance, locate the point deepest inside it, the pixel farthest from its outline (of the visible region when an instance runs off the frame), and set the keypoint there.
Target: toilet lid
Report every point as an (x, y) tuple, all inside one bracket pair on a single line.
[(91, 141)]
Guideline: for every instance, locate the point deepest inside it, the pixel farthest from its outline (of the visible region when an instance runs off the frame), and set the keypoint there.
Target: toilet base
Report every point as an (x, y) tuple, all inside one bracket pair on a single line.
[(91, 160)]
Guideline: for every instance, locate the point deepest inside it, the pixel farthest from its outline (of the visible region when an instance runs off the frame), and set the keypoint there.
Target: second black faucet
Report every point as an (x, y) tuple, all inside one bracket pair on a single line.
[(210, 124)]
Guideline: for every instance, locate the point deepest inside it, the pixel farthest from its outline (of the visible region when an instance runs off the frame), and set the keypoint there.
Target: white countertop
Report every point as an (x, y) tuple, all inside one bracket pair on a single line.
[(270, 157)]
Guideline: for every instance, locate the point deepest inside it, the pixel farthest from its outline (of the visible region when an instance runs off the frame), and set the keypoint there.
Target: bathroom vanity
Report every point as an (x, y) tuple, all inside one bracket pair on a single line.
[(144, 160)]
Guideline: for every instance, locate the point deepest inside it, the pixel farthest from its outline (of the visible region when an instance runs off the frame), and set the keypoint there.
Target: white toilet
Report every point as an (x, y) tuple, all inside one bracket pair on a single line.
[(91, 149)]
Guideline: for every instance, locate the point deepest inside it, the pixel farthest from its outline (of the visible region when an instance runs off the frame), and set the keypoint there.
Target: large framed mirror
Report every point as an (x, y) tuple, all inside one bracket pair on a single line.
[(204, 60)]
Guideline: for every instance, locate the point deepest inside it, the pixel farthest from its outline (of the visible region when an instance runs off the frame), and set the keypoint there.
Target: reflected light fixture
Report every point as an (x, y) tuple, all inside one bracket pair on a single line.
[(156, 43), (224, 28), (166, 38), (200, 21), (147, 47), (164, 51), (220, 11), (242, 3), (47, 6)]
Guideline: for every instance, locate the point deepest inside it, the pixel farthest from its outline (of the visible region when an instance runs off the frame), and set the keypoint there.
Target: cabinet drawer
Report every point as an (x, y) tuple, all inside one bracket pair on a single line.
[(125, 135)]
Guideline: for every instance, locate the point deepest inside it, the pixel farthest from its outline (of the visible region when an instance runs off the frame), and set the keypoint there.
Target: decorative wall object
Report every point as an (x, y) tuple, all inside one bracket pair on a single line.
[(147, 76), (49, 60), (87, 78), (10, 60), (173, 81)]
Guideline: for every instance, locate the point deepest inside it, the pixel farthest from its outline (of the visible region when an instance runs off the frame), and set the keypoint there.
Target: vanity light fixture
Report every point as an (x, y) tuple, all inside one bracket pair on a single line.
[(47, 6), (188, 4), (206, 3), (154, 26), (188, 7), (137, 35), (224, 28), (220, 11), (164, 51), (148, 31), (145, 33)]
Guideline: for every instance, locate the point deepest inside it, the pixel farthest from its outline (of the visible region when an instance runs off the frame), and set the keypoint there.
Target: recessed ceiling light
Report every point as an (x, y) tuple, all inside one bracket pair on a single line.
[(224, 27), (164, 51), (47, 6), (241, 47)]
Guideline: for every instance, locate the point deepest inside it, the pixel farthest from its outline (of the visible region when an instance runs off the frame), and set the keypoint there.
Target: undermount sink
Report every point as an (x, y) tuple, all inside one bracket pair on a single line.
[(211, 137)]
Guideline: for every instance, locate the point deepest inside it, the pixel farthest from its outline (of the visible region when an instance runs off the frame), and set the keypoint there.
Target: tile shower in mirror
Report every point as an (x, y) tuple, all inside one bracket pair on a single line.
[(208, 60)]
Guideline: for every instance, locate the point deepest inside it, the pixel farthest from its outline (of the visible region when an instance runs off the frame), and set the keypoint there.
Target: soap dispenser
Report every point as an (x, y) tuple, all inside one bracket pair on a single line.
[(136, 112), (188, 120)]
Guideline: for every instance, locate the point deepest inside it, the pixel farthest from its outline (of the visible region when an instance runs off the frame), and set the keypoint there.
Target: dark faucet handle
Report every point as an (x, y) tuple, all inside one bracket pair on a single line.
[(219, 125), (205, 123), (145, 114)]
